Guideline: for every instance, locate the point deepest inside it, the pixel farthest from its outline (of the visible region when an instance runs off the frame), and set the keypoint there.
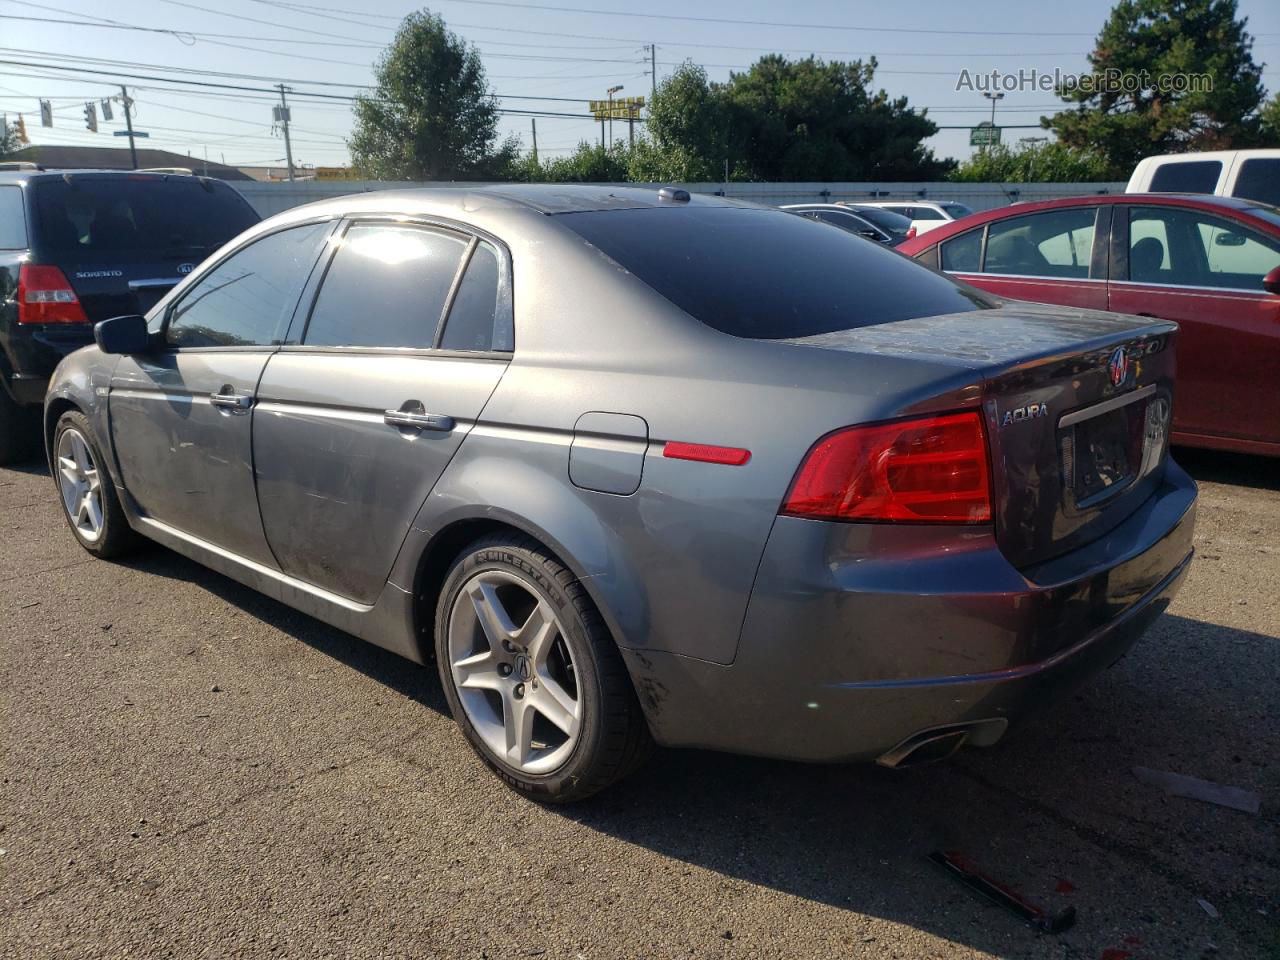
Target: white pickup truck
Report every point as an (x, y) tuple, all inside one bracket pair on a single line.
[(1249, 174)]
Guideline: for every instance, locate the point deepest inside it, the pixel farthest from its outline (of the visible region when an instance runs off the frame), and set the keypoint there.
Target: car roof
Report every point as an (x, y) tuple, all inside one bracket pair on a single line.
[(837, 207), (26, 176)]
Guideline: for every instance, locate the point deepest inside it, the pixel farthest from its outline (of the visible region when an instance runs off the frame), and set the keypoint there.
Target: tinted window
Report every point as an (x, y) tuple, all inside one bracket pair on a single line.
[(1054, 244), (248, 298), (13, 225), (963, 253), (886, 220), (845, 221), (766, 274), (140, 216), (957, 210), (386, 287), (1259, 179), (476, 320), (1191, 176), (926, 213), (1185, 248)]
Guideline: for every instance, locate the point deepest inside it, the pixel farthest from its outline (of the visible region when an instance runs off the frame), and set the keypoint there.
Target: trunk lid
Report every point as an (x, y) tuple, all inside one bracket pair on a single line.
[(1077, 406)]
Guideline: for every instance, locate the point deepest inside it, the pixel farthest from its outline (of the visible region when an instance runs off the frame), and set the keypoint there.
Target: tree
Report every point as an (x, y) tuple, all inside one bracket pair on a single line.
[(9, 142), (1270, 119), (1157, 41), (431, 116), (589, 163), (1033, 163), (783, 120)]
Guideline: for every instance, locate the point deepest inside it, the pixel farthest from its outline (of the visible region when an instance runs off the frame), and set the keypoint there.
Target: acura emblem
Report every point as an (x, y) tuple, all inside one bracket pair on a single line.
[(1118, 366)]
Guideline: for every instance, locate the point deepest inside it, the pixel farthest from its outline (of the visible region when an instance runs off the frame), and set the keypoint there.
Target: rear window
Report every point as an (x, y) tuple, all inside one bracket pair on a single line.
[(957, 210), (120, 219), (768, 275), (1191, 176), (13, 225), (1259, 179)]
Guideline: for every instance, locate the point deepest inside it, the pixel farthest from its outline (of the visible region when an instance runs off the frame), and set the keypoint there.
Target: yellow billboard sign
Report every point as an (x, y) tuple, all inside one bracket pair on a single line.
[(624, 108), (336, 173)]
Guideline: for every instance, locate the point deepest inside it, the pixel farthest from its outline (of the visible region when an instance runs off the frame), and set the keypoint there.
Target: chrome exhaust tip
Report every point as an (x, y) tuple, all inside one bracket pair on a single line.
[(938, 743)]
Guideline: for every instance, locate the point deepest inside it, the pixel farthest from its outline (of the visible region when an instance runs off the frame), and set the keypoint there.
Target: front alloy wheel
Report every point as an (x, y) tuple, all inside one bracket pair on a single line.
[(80, 485)]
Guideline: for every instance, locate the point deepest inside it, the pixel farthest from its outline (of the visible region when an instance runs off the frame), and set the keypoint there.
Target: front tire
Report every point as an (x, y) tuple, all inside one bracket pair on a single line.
[(90, 504), (532, 674)]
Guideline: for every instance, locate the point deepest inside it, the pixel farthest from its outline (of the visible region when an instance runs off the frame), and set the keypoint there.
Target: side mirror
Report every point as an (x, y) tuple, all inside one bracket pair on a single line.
[(127, 334), (1271, 282)]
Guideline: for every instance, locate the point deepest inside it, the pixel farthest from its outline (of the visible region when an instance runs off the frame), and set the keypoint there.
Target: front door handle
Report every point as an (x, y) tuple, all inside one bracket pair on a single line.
[(418, 421), (230, 400)]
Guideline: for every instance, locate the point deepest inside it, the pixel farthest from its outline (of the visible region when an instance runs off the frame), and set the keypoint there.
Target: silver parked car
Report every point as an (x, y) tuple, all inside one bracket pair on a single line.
[(635, 466)]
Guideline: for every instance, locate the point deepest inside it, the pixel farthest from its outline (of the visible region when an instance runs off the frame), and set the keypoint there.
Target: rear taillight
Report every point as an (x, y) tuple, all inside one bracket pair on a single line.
[(926, 470), (911, 233), (45, 296)]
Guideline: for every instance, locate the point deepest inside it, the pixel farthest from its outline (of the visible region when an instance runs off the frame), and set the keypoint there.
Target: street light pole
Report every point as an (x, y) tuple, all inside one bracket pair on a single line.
[(993, 97), (611, 91), (128, 123)]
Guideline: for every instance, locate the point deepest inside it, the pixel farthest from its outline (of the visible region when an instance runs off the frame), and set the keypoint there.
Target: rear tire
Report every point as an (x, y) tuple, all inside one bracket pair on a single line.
[(19, 431), (532, 674), (90, 504)]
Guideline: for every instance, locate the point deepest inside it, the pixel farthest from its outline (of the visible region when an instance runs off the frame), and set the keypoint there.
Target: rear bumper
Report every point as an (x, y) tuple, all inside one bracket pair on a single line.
[(859, 636), (33, 353)]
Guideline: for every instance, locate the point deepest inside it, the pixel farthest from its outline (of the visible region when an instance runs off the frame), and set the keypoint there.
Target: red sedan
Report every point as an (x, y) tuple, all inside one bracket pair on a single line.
[(1210, 263)]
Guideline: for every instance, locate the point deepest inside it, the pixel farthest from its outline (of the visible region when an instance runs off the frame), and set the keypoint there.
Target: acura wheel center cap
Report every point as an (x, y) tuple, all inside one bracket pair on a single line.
[(523, 669)]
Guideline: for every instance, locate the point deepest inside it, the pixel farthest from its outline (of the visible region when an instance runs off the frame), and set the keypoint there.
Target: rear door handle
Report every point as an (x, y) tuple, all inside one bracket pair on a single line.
[(418, 421), (233, 401)]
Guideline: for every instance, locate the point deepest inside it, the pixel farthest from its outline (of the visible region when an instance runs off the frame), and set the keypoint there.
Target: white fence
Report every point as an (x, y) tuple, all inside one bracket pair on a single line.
[(269, 198)]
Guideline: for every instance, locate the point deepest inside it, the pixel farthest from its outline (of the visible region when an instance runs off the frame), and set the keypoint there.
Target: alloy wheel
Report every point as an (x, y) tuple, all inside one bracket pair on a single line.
[(80, 484), (514, 671)]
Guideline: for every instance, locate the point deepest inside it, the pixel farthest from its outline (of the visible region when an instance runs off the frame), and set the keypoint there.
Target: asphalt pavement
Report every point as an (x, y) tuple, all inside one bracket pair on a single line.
[(192, 770)]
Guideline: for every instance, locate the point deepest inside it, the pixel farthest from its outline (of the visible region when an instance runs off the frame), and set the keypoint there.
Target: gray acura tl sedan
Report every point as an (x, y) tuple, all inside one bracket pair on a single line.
[(633, 466)]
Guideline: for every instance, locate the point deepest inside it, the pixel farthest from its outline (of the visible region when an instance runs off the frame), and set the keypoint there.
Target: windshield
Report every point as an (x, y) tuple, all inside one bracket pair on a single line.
[(119, 219), (767, 274), (957, 210), (885, 219)]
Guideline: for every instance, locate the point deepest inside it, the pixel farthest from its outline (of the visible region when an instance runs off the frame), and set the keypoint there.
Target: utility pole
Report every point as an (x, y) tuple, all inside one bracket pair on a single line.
[(284, 123), (128, 123), (653, 67), (534, 122), (611, 91)]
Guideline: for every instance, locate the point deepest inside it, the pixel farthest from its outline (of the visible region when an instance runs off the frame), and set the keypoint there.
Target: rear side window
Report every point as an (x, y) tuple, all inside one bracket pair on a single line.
[(765, 274), (1191, 176), (885, 219), (13, 222), (109, 219), (248, 298), (957, 210), (926, 213), (963, 254), (478, 319), (1259, 179), (386, 287)]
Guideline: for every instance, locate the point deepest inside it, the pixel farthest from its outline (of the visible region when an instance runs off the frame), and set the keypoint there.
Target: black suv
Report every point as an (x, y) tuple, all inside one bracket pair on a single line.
[(76, 248)]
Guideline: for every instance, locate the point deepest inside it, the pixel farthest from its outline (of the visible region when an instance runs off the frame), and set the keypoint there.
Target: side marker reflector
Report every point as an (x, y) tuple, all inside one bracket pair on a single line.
[(706, 453)]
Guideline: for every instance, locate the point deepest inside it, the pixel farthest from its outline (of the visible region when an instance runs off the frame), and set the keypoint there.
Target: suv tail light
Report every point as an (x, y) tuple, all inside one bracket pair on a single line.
[(926, 470), (45, 296), (911, 232)]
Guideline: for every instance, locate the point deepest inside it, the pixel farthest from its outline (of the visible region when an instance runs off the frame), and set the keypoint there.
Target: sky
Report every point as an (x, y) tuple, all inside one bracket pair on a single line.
[(539, 55)]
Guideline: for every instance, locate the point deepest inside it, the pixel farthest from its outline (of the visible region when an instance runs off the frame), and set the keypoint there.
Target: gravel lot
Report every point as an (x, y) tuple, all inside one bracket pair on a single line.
[(192, 770)]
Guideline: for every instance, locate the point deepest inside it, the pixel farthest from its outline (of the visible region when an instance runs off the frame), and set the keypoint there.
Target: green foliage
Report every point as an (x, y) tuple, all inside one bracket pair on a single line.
[(1033, 163), (431, 116), (1270, 121), (1167, 37), (781, 120), (589, 163), (8, 140)]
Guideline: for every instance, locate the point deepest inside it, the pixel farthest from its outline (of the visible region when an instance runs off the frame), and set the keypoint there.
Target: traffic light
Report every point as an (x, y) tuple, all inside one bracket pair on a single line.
[(91, 116)]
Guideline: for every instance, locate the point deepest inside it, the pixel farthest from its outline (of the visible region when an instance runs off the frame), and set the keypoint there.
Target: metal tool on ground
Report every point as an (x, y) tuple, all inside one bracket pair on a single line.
[(1036, 917)]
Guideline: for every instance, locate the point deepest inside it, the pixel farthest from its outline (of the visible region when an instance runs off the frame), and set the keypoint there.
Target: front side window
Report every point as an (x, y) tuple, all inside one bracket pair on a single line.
[(1187, 248), (1259, 179), (248, 298), (963, 254), (1057, 243), (13, 222), (386, 287), (478, 319)]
